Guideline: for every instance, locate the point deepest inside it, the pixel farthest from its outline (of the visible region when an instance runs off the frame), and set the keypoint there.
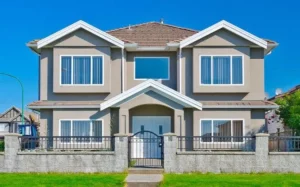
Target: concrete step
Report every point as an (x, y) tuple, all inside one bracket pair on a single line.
[(145, 171), (143, 180)]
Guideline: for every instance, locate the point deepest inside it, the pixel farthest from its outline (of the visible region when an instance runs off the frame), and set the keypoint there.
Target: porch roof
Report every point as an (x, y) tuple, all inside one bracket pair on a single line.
[(156, 87)]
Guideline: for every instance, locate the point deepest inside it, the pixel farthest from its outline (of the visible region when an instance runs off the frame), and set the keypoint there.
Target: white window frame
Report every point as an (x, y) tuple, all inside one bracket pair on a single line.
[(212, 128), (212, 69), (87, 55), (91, 130), (134, 70)]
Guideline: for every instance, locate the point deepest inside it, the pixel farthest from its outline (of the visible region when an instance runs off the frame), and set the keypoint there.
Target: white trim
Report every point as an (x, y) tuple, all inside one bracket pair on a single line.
[(228, 26), (156, 87), (134, 72), (80, 25), (63, 106), (221, 119), (79, 55), (242, 106), (90, 133), (212, 67)]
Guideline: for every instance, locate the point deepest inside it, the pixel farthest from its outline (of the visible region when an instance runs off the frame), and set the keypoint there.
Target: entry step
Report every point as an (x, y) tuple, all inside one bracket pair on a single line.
[(143, 180), (145, 171)]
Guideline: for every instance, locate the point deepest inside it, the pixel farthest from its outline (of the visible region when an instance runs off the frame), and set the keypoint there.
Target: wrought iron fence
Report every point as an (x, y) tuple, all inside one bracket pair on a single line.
[(284, 143), (216, 143), (67, 143), (2, 144)]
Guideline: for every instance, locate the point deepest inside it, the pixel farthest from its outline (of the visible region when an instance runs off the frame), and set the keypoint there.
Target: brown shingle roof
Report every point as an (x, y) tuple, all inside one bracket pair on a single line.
[(152, 34), (205, 104), (238, 103), (292, 90)]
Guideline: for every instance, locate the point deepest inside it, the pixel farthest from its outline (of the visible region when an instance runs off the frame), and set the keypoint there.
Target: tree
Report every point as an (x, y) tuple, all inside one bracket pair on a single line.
[(289, 110)]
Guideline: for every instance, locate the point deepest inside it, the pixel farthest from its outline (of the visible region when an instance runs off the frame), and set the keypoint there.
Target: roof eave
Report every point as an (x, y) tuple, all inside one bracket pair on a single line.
[(157, 87), (241, 106), (228, 26), (80, 25)]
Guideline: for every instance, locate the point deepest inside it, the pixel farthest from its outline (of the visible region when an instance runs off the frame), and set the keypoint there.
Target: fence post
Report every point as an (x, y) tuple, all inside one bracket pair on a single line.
[(170, 148), (121, 152), (12, 146), (262, 152)]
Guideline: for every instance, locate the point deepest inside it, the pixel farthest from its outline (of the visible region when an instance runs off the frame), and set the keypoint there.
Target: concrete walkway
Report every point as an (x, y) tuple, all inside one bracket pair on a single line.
[(140, 177)]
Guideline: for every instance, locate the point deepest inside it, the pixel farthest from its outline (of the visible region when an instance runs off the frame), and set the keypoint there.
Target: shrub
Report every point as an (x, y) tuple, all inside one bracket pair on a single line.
[(1, 145)]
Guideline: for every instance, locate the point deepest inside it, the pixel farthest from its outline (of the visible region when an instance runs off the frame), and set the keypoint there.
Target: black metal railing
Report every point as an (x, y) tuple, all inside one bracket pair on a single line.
[(284, 143), (2, 144), (216, 143), (67, 143)]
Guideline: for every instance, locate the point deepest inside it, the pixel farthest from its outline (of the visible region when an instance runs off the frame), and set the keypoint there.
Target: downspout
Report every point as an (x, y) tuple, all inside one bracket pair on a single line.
[(123, 67), (180, 73)]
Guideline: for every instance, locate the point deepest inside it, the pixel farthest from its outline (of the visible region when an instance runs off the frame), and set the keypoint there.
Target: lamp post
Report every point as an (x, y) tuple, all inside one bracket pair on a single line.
[(22, 93)]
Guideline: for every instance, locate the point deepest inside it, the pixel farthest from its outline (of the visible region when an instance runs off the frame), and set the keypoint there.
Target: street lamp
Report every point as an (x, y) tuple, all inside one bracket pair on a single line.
[(22, 93)]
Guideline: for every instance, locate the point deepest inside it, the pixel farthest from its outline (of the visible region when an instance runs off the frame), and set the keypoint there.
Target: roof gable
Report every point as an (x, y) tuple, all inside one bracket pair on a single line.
[(156, 87), (80, 25), (228, 26), (15, 112)]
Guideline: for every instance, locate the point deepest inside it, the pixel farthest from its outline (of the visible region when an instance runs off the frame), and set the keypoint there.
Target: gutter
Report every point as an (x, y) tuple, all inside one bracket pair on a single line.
[(237, 106)]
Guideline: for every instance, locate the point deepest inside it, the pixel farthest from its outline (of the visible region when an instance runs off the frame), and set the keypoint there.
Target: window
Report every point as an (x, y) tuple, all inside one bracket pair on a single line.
[(82, 70), (151, 68), (221, 130), (221, 70), (4, 127), (79, 128)]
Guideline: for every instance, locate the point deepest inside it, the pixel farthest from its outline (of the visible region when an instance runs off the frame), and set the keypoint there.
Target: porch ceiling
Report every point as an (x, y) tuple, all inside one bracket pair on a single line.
[(151, 85)]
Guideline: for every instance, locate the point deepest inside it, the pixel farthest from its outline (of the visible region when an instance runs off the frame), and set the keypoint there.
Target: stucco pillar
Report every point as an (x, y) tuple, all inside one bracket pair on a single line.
[(121, 152), (170, 148), (123, 121), (12, 146), (179, 128), (262, 152)]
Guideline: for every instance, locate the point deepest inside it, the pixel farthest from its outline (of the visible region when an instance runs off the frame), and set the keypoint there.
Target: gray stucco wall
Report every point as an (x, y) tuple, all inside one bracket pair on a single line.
[(15, 161), (229, 162)]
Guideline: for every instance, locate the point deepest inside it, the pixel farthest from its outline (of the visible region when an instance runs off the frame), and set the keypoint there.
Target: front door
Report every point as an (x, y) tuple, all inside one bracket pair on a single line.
[(146, 145)]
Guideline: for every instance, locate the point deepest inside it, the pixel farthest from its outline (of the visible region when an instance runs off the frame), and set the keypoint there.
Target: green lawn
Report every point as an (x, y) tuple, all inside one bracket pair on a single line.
[(234, 180), (60, 179)]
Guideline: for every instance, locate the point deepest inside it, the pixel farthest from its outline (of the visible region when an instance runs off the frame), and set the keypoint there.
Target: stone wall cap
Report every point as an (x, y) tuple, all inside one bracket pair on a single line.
[(13, 134), (262, 135), (120, 135), (170, 134)]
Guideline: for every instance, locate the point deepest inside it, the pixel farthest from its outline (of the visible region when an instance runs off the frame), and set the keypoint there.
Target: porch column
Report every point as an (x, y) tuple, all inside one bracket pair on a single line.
[(123, 121), (179, 128)]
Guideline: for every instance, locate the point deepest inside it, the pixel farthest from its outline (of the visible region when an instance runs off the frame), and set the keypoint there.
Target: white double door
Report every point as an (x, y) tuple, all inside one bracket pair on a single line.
[(149, 147)]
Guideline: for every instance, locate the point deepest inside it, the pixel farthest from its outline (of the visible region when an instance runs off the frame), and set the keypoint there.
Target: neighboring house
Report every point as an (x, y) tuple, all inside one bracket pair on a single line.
[(10, 120), (273, 120), (152, 76)]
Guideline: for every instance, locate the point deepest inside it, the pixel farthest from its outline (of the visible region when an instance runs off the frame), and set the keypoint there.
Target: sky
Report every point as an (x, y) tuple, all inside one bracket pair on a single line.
[(25, 20)]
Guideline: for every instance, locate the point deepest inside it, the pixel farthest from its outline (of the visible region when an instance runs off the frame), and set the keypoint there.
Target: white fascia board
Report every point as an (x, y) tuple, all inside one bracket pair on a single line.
[(247, 107), (75, 26), (228, 26), (156, 87), (62, 106)]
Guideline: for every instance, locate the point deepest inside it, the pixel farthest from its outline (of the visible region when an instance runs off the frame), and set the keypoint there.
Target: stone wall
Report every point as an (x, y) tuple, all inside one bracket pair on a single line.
[(14, 161), (229, 162)]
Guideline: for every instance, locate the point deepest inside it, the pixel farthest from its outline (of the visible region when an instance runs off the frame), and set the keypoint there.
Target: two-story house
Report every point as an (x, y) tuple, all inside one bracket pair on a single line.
[(152, 76)]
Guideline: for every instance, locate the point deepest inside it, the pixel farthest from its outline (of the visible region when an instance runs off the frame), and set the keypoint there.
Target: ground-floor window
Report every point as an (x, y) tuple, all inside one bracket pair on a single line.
[(219, 130), (81, 130)]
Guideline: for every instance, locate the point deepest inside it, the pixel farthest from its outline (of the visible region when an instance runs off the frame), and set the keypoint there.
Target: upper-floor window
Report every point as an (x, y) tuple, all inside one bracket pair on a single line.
[(151, 68), (221, 70), (82, 70)]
